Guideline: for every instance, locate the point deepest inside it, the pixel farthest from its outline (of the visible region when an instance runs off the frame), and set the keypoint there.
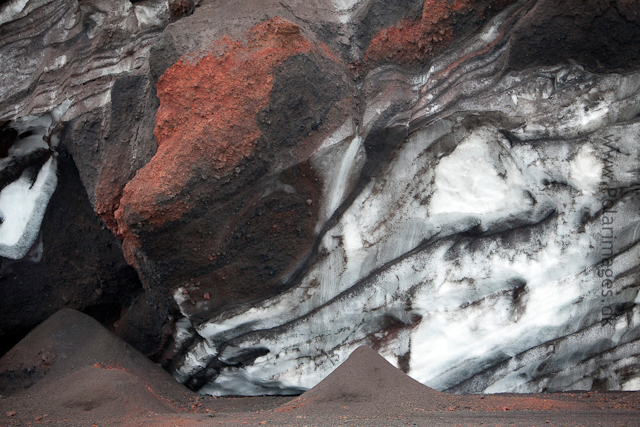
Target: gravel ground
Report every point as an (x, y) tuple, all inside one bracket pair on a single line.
[(70, 371)]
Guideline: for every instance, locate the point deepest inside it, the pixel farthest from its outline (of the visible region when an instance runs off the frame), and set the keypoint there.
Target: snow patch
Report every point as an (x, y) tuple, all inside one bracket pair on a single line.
[(59, 62), (151, 14), (239, 382), (473, 180), (586, 170), (12, 10), (632, 384)]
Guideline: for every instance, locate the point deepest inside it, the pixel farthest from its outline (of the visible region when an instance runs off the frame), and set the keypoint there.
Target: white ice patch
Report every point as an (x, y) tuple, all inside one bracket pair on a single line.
[(38, 127), (347, 8), (151, 14), (12, 10), (343, 132), (195, 360), (22, 207), (24, 147), (586, 170), (343, 5), (337, 193), (593, 119), (58, 63), (239, 382), (338, 163), (184, 331), (23, 202), (632, 384), (469, 181)]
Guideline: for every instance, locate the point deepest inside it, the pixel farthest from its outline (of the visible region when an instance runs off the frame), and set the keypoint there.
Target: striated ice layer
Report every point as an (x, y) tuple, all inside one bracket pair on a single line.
[(494, 248)]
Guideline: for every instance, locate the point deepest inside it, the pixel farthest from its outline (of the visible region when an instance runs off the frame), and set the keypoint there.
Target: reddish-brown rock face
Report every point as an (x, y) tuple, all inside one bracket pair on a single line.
[(229, 201), (413, 40), (206, 122)]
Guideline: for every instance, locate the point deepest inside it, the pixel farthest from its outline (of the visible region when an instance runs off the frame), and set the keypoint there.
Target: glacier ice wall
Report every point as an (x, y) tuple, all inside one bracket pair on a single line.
[(479, 228)]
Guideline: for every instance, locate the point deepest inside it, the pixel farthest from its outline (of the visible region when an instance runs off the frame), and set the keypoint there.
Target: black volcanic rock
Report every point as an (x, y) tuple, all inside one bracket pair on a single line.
[(596, 34), (79, 265)]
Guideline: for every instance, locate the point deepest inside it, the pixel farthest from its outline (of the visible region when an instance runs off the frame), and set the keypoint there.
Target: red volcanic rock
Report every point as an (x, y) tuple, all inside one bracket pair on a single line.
[(412, 40), (206, 122)]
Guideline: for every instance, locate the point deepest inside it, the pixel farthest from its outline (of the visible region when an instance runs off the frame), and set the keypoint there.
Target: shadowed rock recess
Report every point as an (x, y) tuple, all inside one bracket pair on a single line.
[(247, 191)]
